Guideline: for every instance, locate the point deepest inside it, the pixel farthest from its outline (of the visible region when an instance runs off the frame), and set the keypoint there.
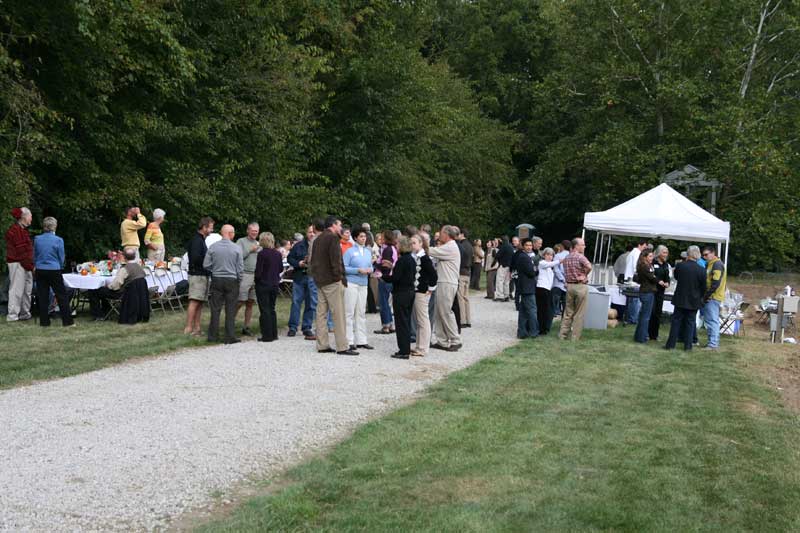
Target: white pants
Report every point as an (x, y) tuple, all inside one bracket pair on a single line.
[(355, 310), (20, 285), (501, 288)]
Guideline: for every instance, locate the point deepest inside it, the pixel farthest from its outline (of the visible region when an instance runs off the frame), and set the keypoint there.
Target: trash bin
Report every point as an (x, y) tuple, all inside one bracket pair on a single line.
[(597, 311)]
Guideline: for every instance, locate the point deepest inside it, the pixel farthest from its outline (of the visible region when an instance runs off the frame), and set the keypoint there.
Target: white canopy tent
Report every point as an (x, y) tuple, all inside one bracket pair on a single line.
[(660, 213)]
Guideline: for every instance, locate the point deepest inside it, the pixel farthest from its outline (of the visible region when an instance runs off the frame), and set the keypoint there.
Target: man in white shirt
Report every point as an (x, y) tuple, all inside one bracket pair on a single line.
[(448, 254), (621, 263)]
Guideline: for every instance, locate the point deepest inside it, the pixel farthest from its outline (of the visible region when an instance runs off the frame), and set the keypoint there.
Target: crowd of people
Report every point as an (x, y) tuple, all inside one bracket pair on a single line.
[(417, 280)]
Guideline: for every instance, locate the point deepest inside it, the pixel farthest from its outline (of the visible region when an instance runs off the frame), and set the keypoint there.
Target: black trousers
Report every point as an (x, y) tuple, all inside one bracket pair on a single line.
[(224, 292), (544, 310), (371, 307), (98, 300), (46, 280), (403, 304), (475, 277), (682, 328), (655, 316), (268, 319), (457, 312)]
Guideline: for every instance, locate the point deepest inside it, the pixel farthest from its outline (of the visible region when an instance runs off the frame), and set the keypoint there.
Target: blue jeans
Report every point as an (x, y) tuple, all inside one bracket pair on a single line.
[(634, 306), (527, 324), (647, 300), (384, 291), (559, 297), (711, 318), (303, 291)]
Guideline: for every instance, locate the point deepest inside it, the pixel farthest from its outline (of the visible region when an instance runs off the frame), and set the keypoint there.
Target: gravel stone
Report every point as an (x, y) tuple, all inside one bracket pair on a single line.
[(134, 447)]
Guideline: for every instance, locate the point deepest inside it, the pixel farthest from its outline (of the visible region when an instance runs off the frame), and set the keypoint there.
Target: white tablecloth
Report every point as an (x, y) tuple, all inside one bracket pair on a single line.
[(95, 281)]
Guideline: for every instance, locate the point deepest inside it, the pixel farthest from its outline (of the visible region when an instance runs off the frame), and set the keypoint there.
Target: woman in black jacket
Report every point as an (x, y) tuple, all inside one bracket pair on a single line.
[(661, 268), (402, 278), (647, 293), (424, 284)]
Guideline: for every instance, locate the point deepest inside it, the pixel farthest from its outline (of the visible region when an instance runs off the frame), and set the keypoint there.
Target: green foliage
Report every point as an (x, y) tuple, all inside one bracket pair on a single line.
[(483, 113)]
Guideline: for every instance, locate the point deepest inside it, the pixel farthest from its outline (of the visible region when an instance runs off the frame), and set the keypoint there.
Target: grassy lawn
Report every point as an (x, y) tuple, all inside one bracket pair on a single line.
[(602, 435), (29, 352)]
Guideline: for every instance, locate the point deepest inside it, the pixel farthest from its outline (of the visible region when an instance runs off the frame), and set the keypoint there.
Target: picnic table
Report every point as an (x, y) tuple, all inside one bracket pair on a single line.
[(160, 278)]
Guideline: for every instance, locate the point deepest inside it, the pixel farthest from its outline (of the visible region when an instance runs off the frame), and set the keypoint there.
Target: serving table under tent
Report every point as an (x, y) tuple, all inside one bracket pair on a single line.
[(662, 213)]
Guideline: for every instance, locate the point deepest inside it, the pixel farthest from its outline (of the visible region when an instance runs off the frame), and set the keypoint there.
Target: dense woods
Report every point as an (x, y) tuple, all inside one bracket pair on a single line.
[(483, 113)]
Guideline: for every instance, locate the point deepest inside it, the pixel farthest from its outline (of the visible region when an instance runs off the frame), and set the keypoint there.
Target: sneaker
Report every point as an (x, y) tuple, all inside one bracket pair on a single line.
[(710, 348), (310, 337), (291, 333)]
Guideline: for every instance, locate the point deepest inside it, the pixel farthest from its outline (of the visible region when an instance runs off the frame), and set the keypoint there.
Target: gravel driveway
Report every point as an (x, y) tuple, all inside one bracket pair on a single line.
[(136, 446)]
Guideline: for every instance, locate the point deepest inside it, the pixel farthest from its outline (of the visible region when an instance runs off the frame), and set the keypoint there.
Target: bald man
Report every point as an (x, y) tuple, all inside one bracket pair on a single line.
[(225, 262)]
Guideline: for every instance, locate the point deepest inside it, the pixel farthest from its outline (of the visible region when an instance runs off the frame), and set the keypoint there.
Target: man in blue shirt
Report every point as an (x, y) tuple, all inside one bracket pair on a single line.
[(48, 260), (303, 289)]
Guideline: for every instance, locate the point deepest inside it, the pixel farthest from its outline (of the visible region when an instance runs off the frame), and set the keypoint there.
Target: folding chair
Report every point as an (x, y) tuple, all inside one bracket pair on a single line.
[(177, 276), (113, 307), (167, 285), (733, 315), (286, 284), (155, 298)]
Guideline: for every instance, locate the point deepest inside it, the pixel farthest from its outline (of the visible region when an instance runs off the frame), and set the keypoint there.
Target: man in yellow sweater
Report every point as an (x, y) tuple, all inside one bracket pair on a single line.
[(128, 230)]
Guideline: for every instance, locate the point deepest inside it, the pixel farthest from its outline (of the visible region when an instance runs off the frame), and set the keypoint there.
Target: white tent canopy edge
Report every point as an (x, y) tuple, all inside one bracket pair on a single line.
[(660, 213)]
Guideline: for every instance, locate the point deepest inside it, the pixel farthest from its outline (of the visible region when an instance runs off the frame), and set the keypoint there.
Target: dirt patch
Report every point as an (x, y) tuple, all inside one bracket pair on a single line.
[(752, 408)]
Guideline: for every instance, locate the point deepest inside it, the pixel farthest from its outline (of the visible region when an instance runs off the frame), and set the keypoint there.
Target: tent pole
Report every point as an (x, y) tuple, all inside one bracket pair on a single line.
[(583, 235), (608, 253), (598, 241)]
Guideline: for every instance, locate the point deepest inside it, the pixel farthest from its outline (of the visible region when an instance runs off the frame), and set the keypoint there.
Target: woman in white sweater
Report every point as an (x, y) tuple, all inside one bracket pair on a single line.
[(544, 283)]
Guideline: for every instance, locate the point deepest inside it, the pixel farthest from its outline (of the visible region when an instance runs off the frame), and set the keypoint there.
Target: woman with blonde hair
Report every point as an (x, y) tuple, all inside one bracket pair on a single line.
[(154, 238), (425, 280), (269, 265)]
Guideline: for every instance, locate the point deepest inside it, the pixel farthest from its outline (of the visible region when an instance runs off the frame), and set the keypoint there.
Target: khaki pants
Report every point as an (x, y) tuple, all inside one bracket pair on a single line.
[(446, 327), (491, 277), (331, 297), (501, 289), (423, 322), (20, 285), (577, 302), (463, 299), (156, 255)]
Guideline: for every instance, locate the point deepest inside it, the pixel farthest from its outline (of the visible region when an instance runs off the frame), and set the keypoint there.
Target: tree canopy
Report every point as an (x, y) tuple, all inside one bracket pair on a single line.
[(482, 113)]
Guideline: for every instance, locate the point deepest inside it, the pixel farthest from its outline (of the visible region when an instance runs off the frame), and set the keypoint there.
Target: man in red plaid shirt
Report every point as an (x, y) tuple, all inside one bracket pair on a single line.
[(576, 274)]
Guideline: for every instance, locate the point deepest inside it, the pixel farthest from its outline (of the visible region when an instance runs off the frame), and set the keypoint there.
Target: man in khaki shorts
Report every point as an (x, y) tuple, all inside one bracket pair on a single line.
[(198, 276), (247, 287)]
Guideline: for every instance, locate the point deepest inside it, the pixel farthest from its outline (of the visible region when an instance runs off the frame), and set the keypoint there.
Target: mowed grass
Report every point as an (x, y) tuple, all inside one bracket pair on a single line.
[(31, 353), (600, 435)]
